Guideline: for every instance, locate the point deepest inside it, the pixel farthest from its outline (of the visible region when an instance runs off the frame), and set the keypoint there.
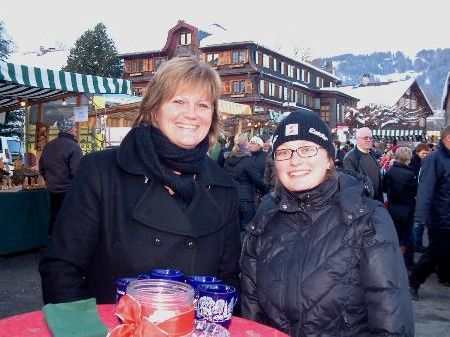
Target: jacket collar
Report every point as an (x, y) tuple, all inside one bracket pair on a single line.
[(129, 161), (68, 136)]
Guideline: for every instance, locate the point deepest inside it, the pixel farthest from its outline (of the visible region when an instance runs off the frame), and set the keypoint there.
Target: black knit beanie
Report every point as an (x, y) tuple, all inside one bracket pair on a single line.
[(303, 125)]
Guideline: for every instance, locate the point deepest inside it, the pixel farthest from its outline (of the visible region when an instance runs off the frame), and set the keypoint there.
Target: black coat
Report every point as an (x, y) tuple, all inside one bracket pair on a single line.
[(433, 195), (117, 222), (241, 167), (400, 184), (59, 161), (326, 263), (260, 161), (354, 166)]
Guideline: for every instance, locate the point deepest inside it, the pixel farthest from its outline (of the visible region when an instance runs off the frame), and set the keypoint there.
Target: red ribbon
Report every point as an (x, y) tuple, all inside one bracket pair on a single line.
[(136, 324)]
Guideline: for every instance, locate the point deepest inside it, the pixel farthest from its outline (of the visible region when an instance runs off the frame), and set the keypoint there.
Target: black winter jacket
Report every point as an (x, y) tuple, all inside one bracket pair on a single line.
[(433, 195), (260, 161), (241, 167), (353, 166), (325, 263), (59, 161), (400, 184), (117, 221)]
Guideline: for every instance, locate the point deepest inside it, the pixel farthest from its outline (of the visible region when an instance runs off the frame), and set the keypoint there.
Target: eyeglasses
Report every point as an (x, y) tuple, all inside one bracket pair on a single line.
[(302, 151), (366, 138)]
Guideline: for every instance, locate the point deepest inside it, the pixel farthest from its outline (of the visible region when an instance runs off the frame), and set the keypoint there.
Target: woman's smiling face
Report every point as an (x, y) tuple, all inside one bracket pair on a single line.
[(185, 119), (300, 174)]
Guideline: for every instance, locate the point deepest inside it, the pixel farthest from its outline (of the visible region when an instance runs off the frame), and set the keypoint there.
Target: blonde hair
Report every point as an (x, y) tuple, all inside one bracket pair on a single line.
[(240, 139), (167, 80), (403, 155)]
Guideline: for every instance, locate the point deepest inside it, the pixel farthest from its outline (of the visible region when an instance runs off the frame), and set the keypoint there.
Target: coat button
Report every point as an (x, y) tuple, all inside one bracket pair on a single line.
[(349, 217), (190, 243), (156, 242), (284, 206), (361, 210)]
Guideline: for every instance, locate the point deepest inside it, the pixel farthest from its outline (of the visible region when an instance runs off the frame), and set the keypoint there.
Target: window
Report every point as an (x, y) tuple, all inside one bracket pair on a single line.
[(275, 64), (305, 75), (298, 73), (282, 68), (185, 38), (237, 56), (137, 92), (339, 113), (238, 87), (325, 113), (319, 82), (285, 93), (266, 63), (158, 62), (304, 99), (290, 71), (212, 59), (280, 92), (261, 87), (256, 57), (293, 96), (137, 65), (271, 89), (332, 84)]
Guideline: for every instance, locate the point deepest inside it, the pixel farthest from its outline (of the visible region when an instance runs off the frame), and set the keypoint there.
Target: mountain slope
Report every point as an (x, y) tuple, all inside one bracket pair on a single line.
[(430, 67)]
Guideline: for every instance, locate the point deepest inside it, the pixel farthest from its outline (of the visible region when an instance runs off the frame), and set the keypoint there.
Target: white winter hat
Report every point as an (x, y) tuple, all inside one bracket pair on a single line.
[(257, 140)]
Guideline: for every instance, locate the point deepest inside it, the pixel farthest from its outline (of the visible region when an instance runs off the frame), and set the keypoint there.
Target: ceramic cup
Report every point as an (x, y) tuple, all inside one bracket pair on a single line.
[(215, 303)]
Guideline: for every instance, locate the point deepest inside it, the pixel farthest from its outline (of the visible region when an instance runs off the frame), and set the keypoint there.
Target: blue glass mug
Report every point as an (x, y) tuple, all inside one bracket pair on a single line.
[(215, 303), (167, 274)]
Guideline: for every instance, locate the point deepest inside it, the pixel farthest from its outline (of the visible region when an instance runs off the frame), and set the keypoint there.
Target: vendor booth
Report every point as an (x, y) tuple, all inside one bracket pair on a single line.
[(46, 95)]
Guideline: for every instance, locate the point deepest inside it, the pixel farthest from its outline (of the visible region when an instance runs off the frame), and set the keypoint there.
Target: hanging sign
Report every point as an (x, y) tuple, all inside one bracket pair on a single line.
[(80, 113)]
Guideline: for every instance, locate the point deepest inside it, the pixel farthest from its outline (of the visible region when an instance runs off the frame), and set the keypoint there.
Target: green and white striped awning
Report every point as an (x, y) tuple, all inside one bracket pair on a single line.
[(22, 83)]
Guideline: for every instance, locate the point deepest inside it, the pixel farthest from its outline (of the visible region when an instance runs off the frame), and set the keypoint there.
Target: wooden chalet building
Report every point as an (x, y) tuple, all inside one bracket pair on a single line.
[(395, 109), (446, 100), (269, 82)]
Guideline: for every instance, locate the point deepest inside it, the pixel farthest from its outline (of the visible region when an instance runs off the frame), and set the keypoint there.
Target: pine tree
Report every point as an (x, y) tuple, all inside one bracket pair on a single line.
[(13, 124), (94, 53), (6, 45)]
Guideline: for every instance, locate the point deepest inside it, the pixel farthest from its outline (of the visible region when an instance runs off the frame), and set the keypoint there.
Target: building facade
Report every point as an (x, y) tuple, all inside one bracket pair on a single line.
[(269, 82)]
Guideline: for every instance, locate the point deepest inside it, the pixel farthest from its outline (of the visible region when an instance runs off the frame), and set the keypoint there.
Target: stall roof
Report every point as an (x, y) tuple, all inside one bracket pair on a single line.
[(36, 85)]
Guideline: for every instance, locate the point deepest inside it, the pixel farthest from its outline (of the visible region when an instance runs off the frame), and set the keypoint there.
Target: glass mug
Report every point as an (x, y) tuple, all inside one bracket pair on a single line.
[(165, 303), (215, 303), (164, 274)]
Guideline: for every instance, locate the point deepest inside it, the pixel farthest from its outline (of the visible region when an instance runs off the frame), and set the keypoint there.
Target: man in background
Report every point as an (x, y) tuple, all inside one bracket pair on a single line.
[(58, 163), (361, 164), (432, 210)]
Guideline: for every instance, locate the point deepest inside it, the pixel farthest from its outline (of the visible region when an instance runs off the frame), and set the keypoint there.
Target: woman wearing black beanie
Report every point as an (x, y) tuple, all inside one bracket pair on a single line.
[(320, 258)]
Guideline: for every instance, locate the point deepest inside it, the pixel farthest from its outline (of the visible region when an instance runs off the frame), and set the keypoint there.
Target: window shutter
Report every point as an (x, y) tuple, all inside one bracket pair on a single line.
[(246, 56), (127, 66), (227, 57), (248, 87), (226, 87)]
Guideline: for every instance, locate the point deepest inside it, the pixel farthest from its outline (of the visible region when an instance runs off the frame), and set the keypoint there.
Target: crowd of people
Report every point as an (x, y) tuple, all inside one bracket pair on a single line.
[(318, 236)]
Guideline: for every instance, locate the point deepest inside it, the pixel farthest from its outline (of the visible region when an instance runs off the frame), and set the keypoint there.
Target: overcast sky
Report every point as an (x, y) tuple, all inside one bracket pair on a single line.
[(327, 27)]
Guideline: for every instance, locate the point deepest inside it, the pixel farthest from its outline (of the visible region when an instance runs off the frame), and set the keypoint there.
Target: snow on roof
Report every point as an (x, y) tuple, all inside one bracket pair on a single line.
[(220, 35), (379, 94), (49, 59)]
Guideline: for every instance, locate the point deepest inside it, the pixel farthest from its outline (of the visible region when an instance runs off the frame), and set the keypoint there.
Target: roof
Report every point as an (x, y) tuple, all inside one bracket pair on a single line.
[(379, 94), (446, 92), (23, 83)]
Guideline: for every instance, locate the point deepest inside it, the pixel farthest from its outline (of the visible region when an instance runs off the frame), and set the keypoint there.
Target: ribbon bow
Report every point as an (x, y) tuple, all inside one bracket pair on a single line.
[(135, 323)]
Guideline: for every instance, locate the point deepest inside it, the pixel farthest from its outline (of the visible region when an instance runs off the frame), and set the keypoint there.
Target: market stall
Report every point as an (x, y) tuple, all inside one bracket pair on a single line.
[(46, 95)]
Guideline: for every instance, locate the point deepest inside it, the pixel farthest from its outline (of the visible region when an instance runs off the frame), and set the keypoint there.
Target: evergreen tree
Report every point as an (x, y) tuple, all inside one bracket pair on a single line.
[(13, 124), (94, 53), (6, 45)]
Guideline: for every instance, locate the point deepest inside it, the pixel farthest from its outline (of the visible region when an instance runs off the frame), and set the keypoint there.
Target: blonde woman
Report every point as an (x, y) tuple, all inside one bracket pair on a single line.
[(157, 201)]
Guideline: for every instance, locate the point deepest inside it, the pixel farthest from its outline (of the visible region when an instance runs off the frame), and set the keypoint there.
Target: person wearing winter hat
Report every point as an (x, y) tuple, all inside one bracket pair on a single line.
[(58, 163), (258, 155), (318, 232)]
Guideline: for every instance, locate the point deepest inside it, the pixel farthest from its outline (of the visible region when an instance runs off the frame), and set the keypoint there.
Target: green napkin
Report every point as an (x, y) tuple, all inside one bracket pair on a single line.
[(74, 319)]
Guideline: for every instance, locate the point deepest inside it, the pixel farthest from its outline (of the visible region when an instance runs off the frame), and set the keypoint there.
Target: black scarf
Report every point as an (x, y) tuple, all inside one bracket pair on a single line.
[(161, 157)]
